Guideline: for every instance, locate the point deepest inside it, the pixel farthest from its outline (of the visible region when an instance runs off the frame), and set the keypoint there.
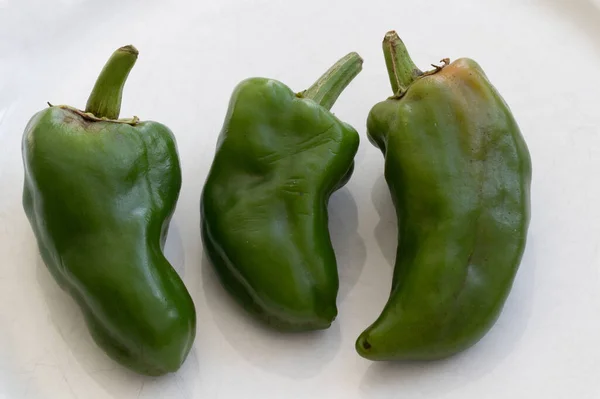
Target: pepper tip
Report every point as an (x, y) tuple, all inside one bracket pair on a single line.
[(363, 346)]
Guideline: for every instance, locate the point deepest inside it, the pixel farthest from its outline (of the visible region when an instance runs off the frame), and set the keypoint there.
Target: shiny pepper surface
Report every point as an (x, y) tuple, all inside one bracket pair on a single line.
[(99, 194), (280, 156), (459, 173)]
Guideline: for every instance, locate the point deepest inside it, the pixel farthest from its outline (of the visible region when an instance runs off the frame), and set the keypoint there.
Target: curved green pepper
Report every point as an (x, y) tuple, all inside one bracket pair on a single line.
[(99, 194), (279, 157), (459, 173)]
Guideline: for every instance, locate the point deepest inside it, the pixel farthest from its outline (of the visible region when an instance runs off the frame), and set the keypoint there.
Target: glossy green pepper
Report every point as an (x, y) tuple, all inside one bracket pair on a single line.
[(459, 173), (99, 193), (280, 155)]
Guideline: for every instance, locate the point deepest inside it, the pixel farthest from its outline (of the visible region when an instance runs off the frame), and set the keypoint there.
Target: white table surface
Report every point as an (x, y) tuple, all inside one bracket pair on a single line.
[(543, 56)]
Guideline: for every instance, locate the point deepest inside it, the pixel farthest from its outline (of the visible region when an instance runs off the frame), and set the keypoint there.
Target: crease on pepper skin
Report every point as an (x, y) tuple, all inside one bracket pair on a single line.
[(279, 157), (459, 172)]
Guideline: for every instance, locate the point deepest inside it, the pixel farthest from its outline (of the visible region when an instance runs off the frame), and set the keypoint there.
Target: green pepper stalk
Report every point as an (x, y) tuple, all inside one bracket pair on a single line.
[(105, 99), (326, 90)]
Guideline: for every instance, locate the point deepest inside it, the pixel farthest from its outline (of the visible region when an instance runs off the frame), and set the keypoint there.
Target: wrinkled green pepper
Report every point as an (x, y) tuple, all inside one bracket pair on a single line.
[(99, 193), (459, 173), (280, 155)]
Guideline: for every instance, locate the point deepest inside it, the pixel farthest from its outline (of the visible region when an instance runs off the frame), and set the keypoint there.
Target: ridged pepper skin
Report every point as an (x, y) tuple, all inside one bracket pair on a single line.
[(280, 155), (459, 173), (99, 195)]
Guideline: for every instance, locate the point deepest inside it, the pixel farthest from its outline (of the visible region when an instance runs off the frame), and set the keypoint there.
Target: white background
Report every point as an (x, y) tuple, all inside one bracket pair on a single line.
[(543, 56)]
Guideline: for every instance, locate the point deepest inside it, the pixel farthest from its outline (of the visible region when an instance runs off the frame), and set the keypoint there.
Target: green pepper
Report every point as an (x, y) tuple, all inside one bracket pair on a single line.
[(459, 173), (280, 156), (99, 193)]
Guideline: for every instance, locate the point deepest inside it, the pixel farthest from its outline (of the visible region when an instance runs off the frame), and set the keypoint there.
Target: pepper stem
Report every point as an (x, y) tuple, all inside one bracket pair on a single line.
[(326, 90), (401, 69), (105, 99)]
